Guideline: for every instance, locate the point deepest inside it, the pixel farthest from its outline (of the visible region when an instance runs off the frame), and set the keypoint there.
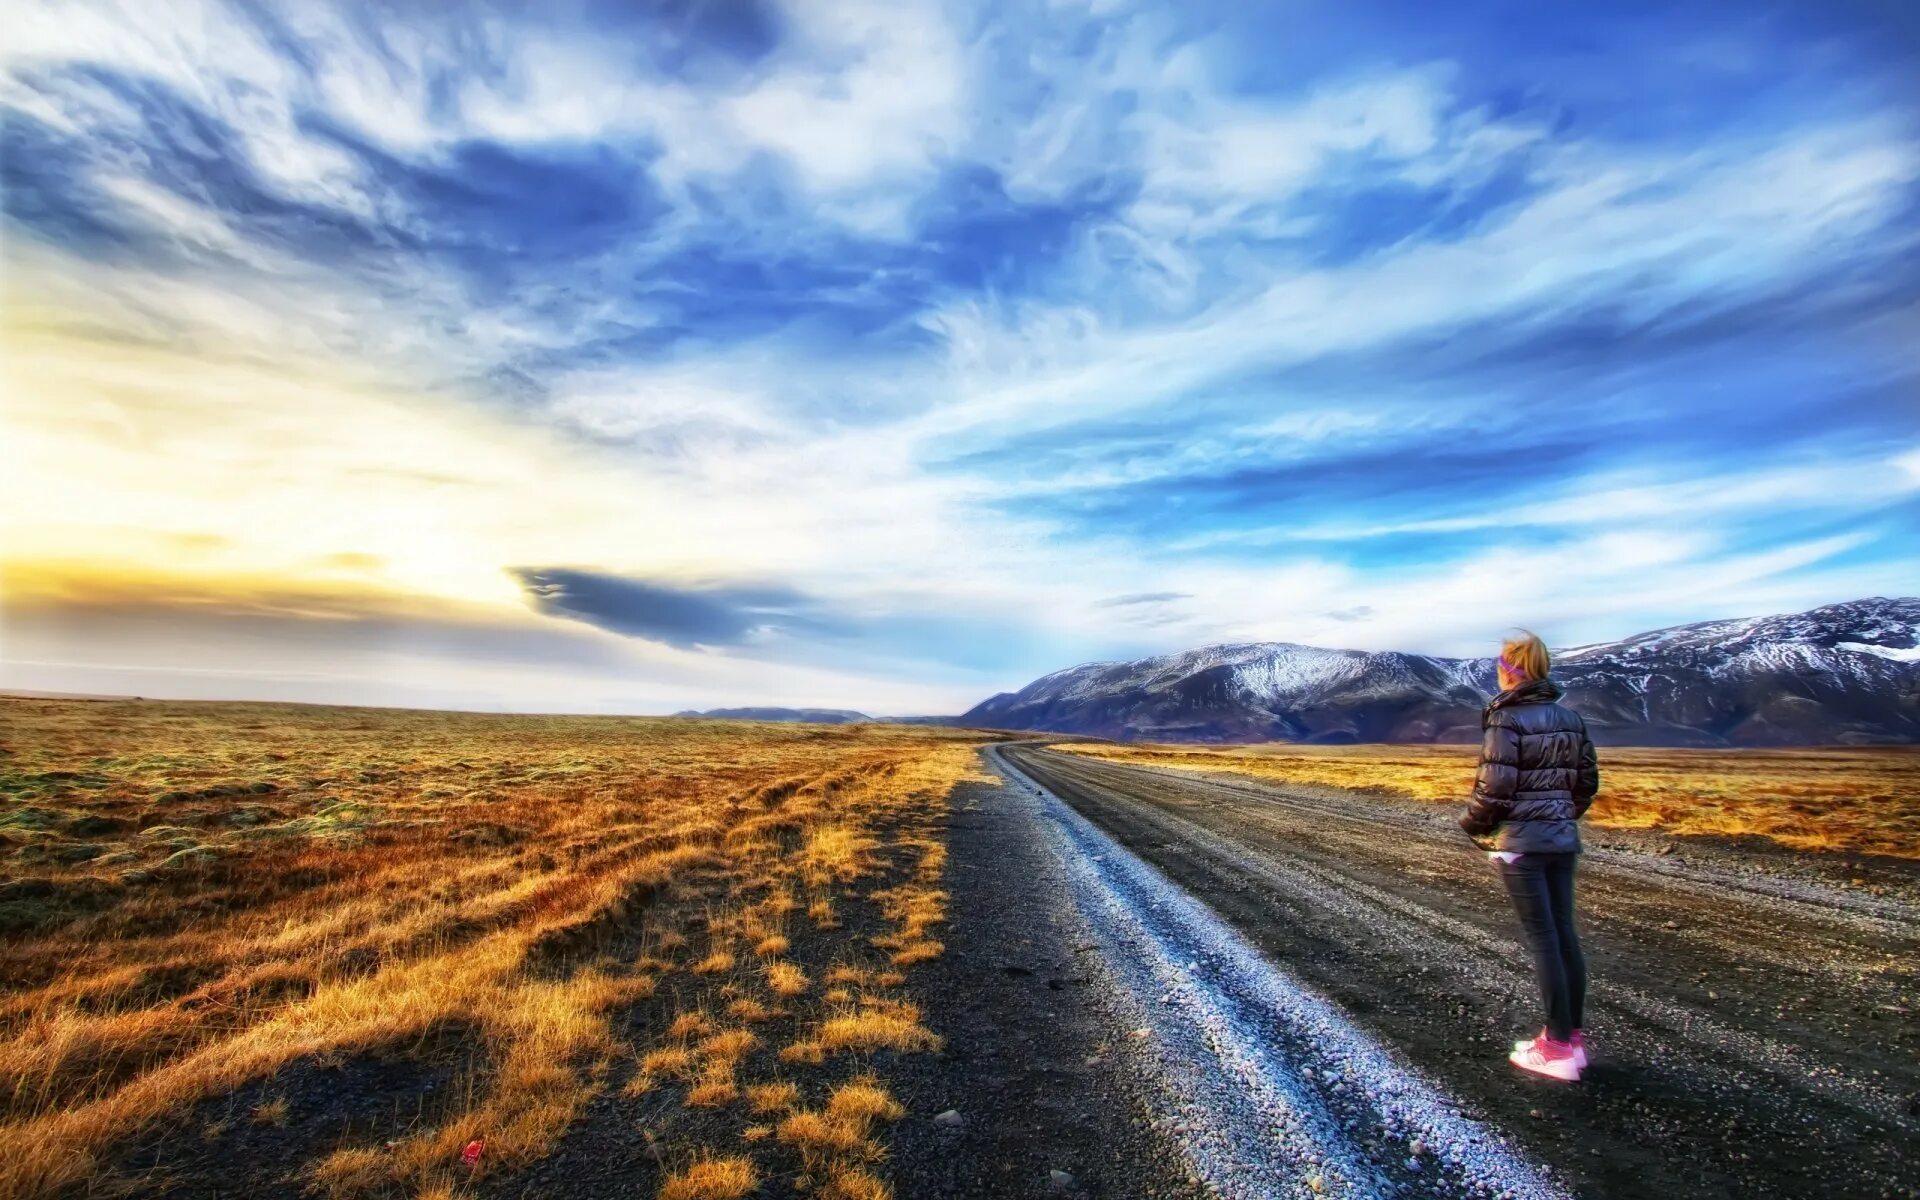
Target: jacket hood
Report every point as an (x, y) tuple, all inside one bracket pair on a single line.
[(1533, 691)]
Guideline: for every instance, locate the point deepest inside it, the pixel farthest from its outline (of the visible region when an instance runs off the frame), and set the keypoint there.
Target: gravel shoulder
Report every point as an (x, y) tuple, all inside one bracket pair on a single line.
[(1040, 1065), (1753, 1023)]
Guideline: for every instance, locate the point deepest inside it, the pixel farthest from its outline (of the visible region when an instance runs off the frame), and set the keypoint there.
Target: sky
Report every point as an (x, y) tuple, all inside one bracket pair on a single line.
[(593, 356)]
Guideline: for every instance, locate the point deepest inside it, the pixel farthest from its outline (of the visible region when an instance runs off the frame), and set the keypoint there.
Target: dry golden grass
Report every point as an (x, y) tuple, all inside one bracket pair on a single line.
[(785, 979), (717, 963), (674, 1062), (876, 1024), (714, 1088), (203, 894), (777, 1096), (852, 1183), (832, 1140), (863, 1099), (727, 1047), (712, 1179), (1863, 800)]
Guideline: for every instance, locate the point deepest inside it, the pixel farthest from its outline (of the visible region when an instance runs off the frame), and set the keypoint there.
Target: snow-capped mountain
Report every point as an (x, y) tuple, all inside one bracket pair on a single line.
[(1846, 673)]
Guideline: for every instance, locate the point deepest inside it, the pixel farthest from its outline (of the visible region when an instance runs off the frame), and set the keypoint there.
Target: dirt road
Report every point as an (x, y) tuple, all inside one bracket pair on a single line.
[(1754, 1032)]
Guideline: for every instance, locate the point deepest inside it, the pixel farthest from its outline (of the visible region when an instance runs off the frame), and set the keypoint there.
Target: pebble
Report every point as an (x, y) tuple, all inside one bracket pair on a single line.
[(950, 1119), (1059, 1179)]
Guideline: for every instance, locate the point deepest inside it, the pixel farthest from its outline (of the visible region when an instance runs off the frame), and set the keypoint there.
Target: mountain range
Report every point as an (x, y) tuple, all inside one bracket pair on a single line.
[(1845, 674), (814, 716)]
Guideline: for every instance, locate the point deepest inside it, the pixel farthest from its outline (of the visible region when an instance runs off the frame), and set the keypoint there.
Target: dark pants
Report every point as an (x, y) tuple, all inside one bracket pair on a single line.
[(1542, 889)]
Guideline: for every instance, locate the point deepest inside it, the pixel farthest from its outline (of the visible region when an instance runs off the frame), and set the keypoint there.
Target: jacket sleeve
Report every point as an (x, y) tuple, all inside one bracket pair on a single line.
[(1588, 784), (1495, 782)]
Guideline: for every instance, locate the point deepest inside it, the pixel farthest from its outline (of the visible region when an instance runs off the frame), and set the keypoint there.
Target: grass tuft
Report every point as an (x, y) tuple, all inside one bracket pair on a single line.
[(853, 1183), (778, 1096), (712, 1179)]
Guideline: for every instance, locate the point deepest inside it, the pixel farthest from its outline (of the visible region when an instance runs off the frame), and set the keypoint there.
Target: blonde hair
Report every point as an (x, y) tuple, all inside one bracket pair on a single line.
[(1527, 655)]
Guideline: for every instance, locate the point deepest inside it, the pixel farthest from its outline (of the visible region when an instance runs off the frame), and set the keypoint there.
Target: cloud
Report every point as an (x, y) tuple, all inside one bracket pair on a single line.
[(687, 616), (1144, 598)]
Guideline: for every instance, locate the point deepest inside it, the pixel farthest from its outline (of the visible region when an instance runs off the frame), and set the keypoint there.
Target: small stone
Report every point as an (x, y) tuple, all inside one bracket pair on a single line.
[(950, 1119), (1418, 1148), (1534, 1113), (1317, 1184), (1669, 924), (1059, 1180), (1141, 1033)]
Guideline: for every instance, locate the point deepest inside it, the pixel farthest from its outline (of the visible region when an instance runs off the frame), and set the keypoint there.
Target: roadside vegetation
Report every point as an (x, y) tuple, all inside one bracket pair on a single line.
[(1855, 801), (711, 922)]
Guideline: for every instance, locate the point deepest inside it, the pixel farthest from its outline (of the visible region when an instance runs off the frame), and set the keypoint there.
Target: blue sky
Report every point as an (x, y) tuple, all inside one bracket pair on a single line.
[(637, 357)]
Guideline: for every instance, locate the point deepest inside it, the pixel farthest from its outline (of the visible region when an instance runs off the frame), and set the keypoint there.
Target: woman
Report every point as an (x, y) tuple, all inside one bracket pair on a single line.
[(1538, 774)]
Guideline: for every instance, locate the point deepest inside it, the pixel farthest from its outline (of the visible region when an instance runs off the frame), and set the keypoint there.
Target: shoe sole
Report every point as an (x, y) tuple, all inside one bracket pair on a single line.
[(1570, 1074)]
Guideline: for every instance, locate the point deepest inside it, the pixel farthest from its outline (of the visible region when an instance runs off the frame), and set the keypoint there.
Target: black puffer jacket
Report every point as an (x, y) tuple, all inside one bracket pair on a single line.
[(1538, 773)]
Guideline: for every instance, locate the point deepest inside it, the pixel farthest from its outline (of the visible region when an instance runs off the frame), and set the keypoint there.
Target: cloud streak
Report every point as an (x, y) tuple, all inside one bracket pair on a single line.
[(684, 616)]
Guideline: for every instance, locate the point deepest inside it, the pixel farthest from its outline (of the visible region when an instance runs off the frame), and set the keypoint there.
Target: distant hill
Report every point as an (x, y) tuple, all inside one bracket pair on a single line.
[(812, 716), (1842, 674)]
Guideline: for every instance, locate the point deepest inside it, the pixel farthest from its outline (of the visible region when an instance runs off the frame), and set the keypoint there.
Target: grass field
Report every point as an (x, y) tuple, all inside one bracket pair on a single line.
[(198, 896), (1850, 800)]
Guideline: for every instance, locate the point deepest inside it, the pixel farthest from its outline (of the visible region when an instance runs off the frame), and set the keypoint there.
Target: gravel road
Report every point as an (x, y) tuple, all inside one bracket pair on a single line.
[(1752, 1024)]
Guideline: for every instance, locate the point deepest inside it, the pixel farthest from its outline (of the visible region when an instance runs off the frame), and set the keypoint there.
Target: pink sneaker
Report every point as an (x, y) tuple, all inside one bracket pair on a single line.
[(1544, 1056), (1579, 1046)]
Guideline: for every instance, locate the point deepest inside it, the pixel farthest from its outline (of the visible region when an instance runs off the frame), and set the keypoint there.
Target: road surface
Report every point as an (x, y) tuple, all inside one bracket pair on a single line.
[(1753, 1031)]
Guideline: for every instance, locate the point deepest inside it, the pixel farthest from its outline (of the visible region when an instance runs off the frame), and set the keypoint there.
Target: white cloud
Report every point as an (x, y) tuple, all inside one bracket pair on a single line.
[(676, 412), (872, 93), (179, 220), (1208, 159), (1625, 498), (1655, 233)]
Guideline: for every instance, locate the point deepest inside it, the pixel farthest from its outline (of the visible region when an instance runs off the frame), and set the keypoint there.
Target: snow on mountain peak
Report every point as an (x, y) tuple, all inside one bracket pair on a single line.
[(1844, 672)]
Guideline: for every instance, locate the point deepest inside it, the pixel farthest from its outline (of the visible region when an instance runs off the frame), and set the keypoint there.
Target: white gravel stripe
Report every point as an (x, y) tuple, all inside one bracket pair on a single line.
[(1278, 1090)]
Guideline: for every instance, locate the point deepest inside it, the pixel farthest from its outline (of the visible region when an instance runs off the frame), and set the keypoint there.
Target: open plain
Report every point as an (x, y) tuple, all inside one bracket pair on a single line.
[(272, 949)]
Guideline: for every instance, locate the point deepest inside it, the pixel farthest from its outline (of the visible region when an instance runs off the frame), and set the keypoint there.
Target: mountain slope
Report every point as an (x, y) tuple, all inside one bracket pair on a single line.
[(1846, 673)]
